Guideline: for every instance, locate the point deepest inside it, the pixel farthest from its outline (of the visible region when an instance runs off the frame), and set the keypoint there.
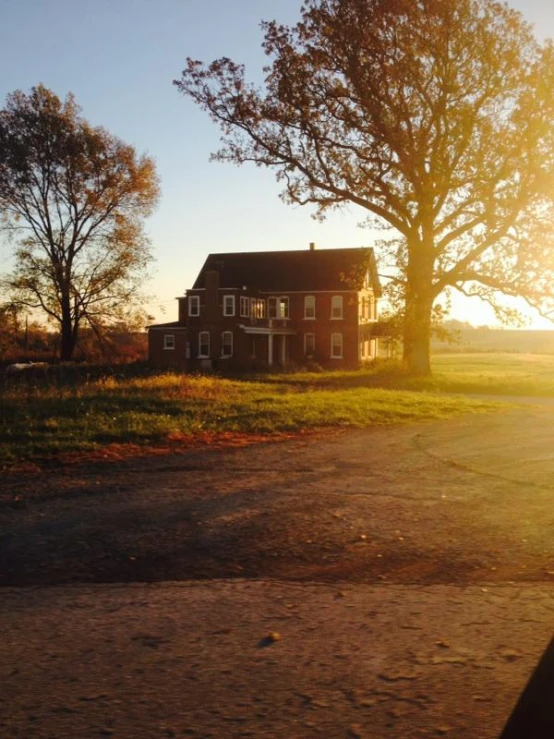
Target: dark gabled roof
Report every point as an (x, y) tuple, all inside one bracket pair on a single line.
[(276, 271)]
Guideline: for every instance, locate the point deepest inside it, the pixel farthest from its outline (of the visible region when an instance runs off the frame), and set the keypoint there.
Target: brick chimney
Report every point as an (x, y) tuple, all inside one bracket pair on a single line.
[(312, 245)]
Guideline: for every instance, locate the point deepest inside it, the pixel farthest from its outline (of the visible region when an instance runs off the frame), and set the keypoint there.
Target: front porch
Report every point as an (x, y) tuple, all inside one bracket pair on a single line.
[(274, 349)]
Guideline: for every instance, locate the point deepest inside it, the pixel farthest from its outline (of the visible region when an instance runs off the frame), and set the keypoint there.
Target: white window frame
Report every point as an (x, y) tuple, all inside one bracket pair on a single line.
[(228, 305), (272, 304), (257, 308), (309, 351), (169, 342), (201, 336), (278, 306), (363, 308), (340, 343), (337, 305), (194, 300), (244, 307), (309, 307), (223, 335)]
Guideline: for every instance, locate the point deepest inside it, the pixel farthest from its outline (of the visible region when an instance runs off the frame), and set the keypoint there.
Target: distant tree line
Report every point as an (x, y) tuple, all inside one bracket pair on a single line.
[(23, 339)]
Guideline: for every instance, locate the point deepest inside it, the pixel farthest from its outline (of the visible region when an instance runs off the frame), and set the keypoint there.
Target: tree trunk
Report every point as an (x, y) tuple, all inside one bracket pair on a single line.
[(67, 335), (419, 303), (417, 334)]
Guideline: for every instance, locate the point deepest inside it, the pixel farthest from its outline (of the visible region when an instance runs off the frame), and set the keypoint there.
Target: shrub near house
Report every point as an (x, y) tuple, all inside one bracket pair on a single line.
[(262, 309)]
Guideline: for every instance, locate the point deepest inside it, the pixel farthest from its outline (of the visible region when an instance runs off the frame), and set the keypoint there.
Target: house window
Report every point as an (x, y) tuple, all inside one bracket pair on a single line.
[(169, 341), (194, 305), (204, 344), (372, 309), (228, 305), (244, 307), (309, 306), (336, 307), (227, 344), (363, 308), (257, 308), (309, 344), (336, 346), (278, 307)]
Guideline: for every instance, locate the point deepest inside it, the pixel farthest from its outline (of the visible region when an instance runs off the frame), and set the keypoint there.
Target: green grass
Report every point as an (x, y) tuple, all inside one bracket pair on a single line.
[(498, 374), (45, 420), (481, 373)]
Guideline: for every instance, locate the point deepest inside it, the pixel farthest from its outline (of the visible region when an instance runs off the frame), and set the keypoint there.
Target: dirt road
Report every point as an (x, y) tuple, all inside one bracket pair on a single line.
[(409, 572)]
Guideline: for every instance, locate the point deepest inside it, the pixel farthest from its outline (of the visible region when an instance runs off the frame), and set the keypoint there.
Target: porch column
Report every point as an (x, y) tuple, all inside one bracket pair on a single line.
[(270, 349), (283, 350)]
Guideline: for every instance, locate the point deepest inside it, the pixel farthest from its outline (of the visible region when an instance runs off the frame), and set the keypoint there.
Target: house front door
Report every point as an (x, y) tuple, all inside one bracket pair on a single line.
[(280, 350)]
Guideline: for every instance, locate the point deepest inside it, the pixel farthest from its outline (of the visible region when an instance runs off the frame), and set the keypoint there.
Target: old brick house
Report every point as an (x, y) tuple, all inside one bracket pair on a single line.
[(258, 309)]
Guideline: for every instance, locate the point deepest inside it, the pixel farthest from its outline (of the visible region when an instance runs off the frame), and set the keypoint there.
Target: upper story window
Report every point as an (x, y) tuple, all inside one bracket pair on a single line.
[(204, 344), (227, 344), (194, 305), (336, 346), (309, 306), (244, 307), (228, 305), (169, 341), (278, 307), (368, 308), (257, 308), (336, 307)]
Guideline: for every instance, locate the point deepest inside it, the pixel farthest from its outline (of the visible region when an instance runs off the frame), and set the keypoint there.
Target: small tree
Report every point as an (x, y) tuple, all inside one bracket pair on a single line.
[(73, 197), (10, 326), (435, 116)]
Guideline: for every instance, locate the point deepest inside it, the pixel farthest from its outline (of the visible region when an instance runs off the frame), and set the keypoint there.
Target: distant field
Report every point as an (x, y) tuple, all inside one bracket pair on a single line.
[(499, 340), (500, 374), (479, 372)]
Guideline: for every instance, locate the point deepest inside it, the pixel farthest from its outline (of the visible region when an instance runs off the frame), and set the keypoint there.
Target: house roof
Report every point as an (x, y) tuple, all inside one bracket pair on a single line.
[(171, 324), (275, 271)]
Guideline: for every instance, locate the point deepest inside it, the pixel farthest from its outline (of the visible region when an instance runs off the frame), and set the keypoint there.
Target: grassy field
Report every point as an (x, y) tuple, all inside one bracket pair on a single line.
[(42, 420), (482, 373), (498, 374)]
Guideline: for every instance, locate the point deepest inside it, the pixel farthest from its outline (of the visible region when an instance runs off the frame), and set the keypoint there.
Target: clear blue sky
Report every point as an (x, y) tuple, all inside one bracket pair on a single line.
[(119, 58)]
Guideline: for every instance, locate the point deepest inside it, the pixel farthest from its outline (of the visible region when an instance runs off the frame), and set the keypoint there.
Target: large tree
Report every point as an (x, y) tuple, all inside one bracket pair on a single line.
[(73, 198), (435, 116)]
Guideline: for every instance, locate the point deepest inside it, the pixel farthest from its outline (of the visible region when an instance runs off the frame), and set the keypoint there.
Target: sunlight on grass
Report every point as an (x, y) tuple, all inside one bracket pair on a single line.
[(44, 420), (41, 420), (498, 374)]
